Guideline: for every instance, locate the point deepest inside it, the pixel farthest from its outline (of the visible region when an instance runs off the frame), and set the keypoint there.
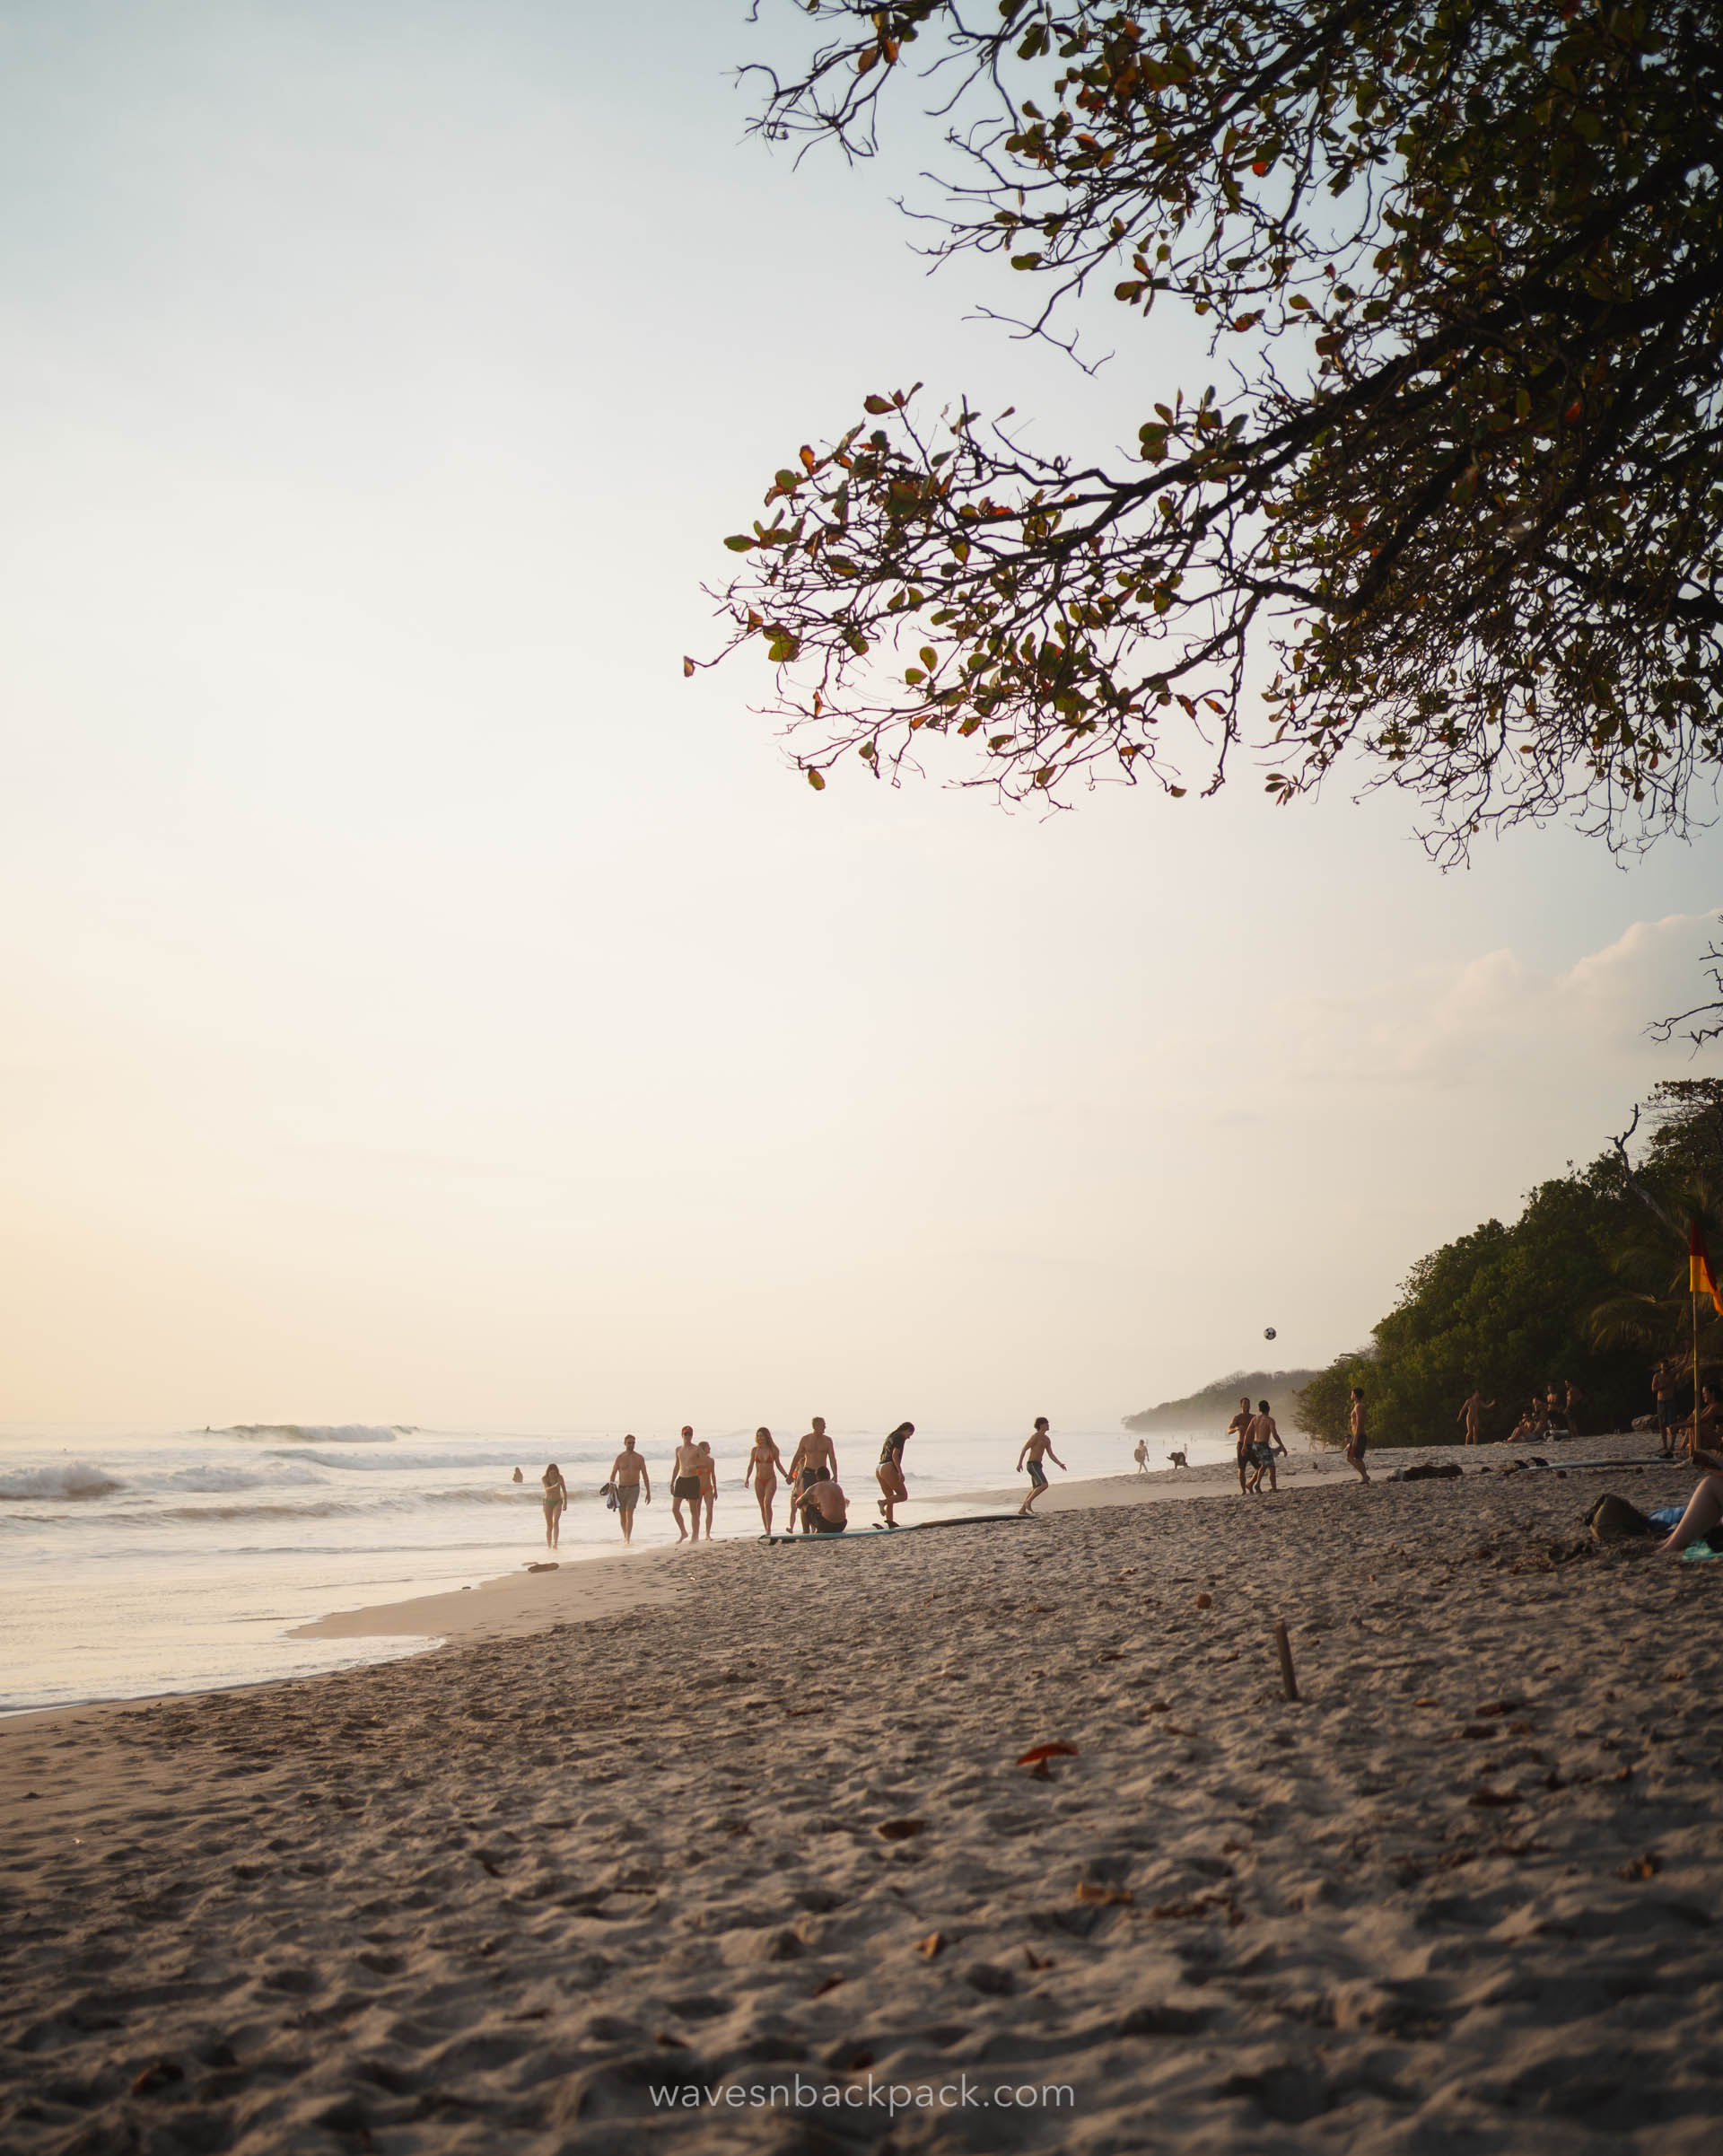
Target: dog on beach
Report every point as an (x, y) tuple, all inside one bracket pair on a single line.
[(1179, 1459)]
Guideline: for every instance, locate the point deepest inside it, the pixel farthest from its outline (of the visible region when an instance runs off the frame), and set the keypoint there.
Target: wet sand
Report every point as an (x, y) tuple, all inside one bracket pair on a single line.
[(764, 1830)]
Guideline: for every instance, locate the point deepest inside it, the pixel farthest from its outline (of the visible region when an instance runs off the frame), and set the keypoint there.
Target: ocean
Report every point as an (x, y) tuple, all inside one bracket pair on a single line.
[(136, 1561)]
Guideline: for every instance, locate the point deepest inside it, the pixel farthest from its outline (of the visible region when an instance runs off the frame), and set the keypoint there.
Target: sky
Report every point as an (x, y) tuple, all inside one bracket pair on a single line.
[(419, 1004)]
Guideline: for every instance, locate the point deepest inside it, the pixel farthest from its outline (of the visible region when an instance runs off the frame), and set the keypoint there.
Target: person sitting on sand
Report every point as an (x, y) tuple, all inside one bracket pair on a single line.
[(1264, 1443), (1555, 1415), (889, 1474), (1037, 1446), (685, 1484), (765, 1465), (814, 1460), (1357, 1443), (1141, 1456), (1472, 1416), (556, 1498), (1705, 1506), (708, 1483), (1239, 1428), (1703, 1435), (628, 1472), (826, 1507)]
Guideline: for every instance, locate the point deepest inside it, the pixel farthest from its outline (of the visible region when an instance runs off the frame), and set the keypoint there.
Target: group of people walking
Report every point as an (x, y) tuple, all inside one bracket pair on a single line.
[(817, 1502)]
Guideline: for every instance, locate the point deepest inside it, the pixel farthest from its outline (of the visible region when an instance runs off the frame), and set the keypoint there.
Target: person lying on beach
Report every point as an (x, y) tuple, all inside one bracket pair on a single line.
[(765, 1465), (1264, 1443), (1705, 1506), (685, 1484), (1037, 1446), (1358, 1438), (1239, 1428), (889, 1474), (708, 1483), (826, 1509), (1472, 1416), (814, 1460), (628, 1472), (556, 1498)]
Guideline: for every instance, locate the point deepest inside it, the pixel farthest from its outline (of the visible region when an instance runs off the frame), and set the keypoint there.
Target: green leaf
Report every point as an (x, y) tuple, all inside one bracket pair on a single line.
[(741, 543), (877, 405), (816, 782)]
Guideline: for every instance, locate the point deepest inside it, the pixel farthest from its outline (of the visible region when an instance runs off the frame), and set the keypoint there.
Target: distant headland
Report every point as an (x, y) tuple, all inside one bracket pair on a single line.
[(1216, 1402)]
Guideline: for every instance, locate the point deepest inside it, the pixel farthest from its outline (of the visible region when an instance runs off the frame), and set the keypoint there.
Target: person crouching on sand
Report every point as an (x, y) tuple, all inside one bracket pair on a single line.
[(685, 1484), (765, 1465), (1264, 1443), (1037, 1446), (826, 1509), (1705, 1506), (890, 1475), (627, 1472), (1358, 1441), (556, 1498)]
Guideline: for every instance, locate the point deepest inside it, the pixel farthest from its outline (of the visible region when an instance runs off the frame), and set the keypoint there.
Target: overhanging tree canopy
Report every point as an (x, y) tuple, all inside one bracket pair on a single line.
[(1458, 490)]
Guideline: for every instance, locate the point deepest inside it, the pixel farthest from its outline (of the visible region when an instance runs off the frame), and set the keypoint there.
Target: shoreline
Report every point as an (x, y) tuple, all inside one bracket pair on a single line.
[(776, 1823)]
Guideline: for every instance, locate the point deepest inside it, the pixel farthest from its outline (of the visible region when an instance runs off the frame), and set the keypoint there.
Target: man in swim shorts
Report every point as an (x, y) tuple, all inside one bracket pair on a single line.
[(627, 1473), (685, 1484), (1037, 1446), (826, 1509), (815, 1460), (1357, 1443), (1264, 1443), (1238, 1428)]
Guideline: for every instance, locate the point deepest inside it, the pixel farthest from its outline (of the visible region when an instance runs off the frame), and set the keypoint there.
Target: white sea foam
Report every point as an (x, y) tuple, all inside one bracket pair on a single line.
[(74, 1480), (321, 1433)]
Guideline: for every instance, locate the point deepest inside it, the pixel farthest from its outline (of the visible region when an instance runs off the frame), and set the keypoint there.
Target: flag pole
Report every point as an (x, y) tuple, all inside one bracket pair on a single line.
[(1694, 1447)]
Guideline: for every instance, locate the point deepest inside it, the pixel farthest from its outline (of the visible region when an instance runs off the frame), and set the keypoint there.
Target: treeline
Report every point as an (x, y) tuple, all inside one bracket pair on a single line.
[(1588, 1284)]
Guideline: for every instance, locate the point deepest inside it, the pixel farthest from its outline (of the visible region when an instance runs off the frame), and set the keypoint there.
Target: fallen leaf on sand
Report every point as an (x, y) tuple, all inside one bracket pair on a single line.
[(1491, 1799), (159, 2076), (1642, 1867), (1495, 1706), (899, 1830), (1087, 1890), (1038, 1752), (1205, 1601), (830, 1984), (1036, 1961), (934, 1943)]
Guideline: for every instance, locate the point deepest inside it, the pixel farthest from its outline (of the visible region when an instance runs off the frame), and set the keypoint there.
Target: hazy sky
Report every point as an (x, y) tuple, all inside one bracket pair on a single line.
[(417, 1002)]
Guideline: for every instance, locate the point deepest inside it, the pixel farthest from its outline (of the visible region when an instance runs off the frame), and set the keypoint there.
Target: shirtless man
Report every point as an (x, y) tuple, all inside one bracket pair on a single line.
[(1239, 1428), (1358, 1443), (826, 1509), (1264, 1443), (685, 1484), (814, 1460), (627, 1474), (708, 1483), (1663, 1386), (1037, 1446), (1471, 1414)]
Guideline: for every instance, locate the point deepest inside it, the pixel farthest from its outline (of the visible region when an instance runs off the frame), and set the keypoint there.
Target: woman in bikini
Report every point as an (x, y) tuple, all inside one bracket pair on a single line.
[(765, 1465), (556, 1498), (889, 1474)]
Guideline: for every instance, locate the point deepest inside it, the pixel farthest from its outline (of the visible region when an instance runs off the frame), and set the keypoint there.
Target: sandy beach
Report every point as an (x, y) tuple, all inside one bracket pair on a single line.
[(730, 1849)]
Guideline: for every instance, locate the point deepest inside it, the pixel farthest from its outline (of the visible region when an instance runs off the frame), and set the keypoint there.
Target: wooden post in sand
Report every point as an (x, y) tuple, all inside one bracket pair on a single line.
[(1289, 1683)]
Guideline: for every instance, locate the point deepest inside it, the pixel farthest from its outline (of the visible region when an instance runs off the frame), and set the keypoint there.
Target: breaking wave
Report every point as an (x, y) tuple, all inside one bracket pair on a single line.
[(76, 1480), (322, 1434)]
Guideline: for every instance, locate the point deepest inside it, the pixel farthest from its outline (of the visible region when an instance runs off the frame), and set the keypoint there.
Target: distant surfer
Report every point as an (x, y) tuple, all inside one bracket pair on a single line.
[(517, 1477), (1037, 1446), (1141, 1456), (889, 1474), (765, 1465), (556, 1498)]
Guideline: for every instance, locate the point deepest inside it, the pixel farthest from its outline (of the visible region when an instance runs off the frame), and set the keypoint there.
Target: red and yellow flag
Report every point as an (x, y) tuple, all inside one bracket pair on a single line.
[(1700, 1279)]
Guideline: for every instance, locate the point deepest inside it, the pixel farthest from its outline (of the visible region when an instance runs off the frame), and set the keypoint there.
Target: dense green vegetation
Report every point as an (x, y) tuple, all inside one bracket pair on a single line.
[(1590, 1283), (1214, 1403)]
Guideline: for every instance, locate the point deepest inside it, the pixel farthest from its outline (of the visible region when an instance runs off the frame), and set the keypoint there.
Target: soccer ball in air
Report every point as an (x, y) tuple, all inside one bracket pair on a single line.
[(1268, 1332)]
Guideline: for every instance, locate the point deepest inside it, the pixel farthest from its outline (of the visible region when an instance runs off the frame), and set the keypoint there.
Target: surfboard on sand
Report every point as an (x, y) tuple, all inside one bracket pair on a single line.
[(919, 1527)]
